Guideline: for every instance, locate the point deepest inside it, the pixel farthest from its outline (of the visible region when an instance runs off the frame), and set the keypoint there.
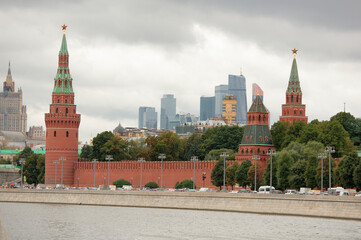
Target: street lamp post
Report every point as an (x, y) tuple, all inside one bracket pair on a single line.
[(94, 161), (194, 159), (329, 150), (161, 157), (62, 159), (56, 162), (78, 182), (22, 161), (224, 155), (322, 156), (141, 160), (108, 157), (255, 158), (271, 153)]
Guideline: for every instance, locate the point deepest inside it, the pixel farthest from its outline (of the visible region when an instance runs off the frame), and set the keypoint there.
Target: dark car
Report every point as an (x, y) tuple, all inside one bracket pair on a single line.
[(244, 191)]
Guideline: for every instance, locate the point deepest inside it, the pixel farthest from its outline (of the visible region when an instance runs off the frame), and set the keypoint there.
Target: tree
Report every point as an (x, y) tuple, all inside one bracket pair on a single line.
[(216, 154), (311, 172), (310, 132), (250, 175), (34, 168), (116, 147), (278, 132), (297, 177), (266, 174), (186, 183), (25, 153), (86, 151), (228, 137), (191, 146), (284, 163), (357, 176), (241, 173), (334, 134), (217, 174), (121, 182), (98, 143), (231, 174), (350, 124), (151, 185), (345, 169)]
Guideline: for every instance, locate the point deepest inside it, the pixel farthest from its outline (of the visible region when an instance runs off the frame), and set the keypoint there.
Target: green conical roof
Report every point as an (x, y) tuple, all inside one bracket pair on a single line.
[(63, 48), (258, 106), (257, 135), (294, 82), (63, 73)]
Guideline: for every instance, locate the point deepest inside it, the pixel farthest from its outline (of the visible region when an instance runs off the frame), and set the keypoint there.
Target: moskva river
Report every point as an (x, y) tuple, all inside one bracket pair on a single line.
[(46, 221)]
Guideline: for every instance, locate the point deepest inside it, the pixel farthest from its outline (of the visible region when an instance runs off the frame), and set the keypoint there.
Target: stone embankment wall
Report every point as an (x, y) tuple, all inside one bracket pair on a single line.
[(310, 206), (8, 175)]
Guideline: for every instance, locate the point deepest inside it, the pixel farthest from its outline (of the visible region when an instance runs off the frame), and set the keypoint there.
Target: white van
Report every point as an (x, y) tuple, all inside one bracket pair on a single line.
[(265, 189)]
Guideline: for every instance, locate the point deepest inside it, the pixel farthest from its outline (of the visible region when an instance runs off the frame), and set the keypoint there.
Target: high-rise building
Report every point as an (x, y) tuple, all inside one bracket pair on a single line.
[(147, 118), (13, 115), (167, 111), (294, 110), (219, 93), (257, 138), (62, 124), (207, 108), (237, 87), (229, 109), (256, 90)]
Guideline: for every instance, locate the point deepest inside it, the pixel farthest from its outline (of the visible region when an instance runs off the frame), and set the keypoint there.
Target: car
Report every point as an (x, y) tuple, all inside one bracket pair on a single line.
[(233, 191), (290, 192), (265, 189), (203, 189), (358, 194)]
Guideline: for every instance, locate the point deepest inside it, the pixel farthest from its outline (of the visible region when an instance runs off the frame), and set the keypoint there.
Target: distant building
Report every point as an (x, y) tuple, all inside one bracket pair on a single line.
[(167, 111), (12, 111), (36, 133), (237, 87), (229, 109), (256, 90), (147, 118), (207, 108), (220, 92)]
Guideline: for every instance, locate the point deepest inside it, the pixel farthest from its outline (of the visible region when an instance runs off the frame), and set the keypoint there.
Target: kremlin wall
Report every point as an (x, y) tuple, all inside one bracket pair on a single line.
[(63, 122)]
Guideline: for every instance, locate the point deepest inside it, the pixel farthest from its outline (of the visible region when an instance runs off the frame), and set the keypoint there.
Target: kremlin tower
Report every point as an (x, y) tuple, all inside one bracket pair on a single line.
[(293, 110), (257, 138), (62, 124)]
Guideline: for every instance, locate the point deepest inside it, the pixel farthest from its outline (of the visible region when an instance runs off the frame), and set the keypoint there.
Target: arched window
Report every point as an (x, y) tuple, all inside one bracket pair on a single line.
[(66, 111), (291, 98), (66, 101), (54, 133), (264, 118), (260, 139), (67, 134), (259, 118), (297, 98), (249, 118), (295, 112), (253, 117), (258, 151), (57, 110), (58, 100)]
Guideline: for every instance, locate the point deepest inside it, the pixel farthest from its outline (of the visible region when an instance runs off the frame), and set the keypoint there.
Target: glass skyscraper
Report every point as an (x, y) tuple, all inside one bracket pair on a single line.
[(147, 118), (237, 87), (167, 111), (220, 92), (207, 108)]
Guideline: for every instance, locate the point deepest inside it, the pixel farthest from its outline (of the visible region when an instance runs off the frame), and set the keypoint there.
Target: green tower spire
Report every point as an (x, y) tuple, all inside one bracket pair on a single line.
[(294, 82), (63, 79)]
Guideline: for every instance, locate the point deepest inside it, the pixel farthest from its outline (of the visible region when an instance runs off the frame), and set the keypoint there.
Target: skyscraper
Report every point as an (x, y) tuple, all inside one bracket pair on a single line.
[(237, 87), (167, 111), (220, 92), (256, 90), (229, 109), (62, 125), (294, 110), (147, 118), (207, 108), (13, 115)]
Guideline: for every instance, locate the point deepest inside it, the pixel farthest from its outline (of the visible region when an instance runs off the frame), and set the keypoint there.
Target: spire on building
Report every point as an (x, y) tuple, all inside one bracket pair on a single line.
[(9, 85), (63, 82), (9, 71), (294, 82)]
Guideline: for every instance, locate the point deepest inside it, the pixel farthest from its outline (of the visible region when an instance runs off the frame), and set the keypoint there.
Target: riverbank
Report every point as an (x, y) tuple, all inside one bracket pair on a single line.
[(295, 205)]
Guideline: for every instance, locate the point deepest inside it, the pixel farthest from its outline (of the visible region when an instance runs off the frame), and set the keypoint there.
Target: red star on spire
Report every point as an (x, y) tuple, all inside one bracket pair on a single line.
[(294, 51), (64, 27)]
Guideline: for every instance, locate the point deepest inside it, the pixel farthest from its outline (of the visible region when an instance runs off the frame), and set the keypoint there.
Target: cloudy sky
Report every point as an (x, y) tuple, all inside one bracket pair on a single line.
[(126, 54)]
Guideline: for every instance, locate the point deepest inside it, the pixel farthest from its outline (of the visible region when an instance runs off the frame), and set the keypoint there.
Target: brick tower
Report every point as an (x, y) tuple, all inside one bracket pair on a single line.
[(257, 138), (294, 110), (62, 124)]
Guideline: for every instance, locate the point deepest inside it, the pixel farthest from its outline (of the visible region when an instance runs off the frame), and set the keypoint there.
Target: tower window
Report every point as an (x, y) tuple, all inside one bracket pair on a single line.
[(291, 98), (296, 98), (66, 101), (58, 100), (54, 133), (66, 111), (57, 110), (67, 134)]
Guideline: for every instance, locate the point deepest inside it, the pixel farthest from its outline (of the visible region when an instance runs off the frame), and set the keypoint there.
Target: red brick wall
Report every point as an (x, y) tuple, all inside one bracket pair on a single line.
[(130, 170)]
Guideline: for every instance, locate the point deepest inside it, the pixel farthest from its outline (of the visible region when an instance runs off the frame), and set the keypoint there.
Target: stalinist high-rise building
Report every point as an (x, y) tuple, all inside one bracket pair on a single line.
[(12, 111)]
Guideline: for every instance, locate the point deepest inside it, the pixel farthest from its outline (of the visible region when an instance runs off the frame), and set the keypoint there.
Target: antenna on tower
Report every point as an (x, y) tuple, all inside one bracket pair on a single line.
[(240, 70)]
